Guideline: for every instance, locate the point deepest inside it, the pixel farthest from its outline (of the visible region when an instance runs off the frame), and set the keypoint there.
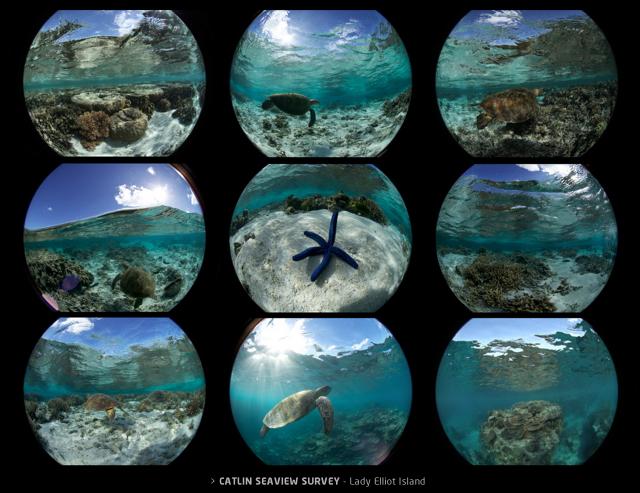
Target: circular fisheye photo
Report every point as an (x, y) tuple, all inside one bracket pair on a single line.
[(320, 238), (526, 83), (320, 391), (114, 391), (526, 238), (320, 83), (114, 82), (114, 237), (526, 391)]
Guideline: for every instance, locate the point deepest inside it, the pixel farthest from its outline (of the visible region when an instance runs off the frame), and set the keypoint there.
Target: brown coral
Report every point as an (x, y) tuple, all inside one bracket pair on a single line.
[(93, 127)]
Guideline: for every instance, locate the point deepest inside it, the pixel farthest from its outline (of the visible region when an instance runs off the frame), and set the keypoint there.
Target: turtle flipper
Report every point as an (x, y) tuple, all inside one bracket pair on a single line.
[(137, 303), (483, 119), (114, 283), (325, 408), (312, 120), (263, 430)]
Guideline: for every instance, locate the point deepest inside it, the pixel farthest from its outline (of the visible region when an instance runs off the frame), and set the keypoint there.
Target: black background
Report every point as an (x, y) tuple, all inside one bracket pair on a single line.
[(423, 162)]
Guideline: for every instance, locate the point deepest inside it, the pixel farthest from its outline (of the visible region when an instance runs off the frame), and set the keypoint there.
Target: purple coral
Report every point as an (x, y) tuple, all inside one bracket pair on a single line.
[(69, 283)]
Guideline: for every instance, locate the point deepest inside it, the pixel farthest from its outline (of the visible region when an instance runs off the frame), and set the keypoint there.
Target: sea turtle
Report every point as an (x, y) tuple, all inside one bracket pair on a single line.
[(511, 106), (103, 402), (135, 282), (297, 406), (292, 103)]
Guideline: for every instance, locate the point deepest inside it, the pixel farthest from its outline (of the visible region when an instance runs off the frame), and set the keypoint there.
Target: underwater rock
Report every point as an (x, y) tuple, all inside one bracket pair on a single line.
[(160, 400), (163, 105), (143, 103), (239, 221), (196, 404), (173, 287), (397, 105), (595, 264), (185, 111), (49, 269), (107, 101), (526, 434), (93, 128), (57, 408), (137, 283), (128, 125)]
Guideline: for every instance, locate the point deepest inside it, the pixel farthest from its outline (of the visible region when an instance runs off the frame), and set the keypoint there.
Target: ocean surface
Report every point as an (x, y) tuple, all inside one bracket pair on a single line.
[(165, 242), (350, 71), (577, 374), (370, 393), (562, 227)]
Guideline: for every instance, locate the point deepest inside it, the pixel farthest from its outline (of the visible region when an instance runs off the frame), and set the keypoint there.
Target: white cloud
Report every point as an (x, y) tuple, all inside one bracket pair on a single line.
[(502, 18), (72, 325), (151, 171), (362, 344), (192, 198), (126, 21), (344, 33), (276, 27), (49, 208), (135, 196), (561, 170)]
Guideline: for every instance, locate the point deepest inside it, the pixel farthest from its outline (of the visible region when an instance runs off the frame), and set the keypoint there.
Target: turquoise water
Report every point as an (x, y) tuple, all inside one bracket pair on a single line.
[(555, 213), (58, 369), (353, 72), (370, 394), (579, 377), (165, 242), (272, 185), (159, 49)]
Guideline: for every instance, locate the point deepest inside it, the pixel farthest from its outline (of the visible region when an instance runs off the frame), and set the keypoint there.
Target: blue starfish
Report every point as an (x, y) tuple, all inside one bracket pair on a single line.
[(325, 248)]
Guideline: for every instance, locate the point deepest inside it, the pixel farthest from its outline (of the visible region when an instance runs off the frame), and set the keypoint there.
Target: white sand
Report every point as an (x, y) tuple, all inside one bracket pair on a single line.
[(338, 132), (87, 438), (278, 284)]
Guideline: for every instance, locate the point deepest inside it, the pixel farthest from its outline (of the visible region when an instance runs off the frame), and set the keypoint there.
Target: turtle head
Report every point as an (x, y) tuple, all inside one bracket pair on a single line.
[(111, 413), (314, 101), (267, 104), (324, 390), (537, 91), (483, 120)]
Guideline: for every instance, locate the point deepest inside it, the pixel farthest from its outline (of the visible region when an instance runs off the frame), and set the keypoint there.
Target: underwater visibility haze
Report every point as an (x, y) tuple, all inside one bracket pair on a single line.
[(114, 237), (114, 82), (119, 391), (320, 83), (320, 391), (320, 237), (526, 83), (526, 391), (526, 238)]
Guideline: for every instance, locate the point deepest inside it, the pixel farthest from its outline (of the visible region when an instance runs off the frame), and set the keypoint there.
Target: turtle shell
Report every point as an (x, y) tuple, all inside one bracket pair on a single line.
[(292, 103), (512, 105), (290, 409), (99, 402), (137, 283)]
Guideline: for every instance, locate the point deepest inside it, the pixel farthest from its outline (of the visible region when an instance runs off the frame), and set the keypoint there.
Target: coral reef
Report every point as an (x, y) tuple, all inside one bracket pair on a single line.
[(526, 434), (495, 282), (121, 114), (595, 264), (358, 438), (74, 433), (361, 206), (568, 123), (49, 269)]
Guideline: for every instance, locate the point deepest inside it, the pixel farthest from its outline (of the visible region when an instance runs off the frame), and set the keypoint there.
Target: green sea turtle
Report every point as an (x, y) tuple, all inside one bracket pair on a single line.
[(510, 106), (103, 402), (135, 282), (292, 103), (297, 406)]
